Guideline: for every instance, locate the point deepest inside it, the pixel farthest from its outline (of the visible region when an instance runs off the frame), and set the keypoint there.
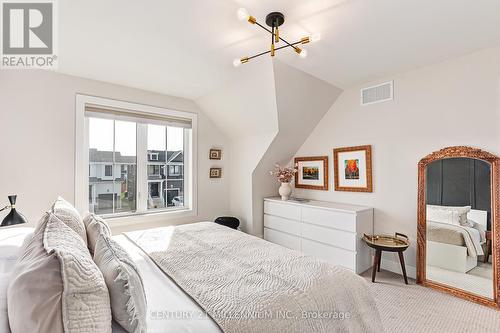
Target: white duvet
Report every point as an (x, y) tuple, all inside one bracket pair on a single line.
[(472, 236), (170, 309)]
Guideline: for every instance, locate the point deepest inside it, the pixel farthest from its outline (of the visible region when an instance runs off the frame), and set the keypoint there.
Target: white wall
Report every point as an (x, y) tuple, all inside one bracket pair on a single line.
[(266, 114), (452, 103), (245, 111), (37, 117), (301, 100)]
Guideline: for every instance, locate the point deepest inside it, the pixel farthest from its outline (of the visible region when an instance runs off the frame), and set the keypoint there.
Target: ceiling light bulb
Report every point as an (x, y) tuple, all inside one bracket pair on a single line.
[(237, 62), (303, 54), (243, 14), (315, 37)]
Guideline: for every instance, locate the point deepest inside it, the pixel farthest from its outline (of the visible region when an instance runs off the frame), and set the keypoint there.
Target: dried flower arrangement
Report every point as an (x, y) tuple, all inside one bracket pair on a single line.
[(283, 174)]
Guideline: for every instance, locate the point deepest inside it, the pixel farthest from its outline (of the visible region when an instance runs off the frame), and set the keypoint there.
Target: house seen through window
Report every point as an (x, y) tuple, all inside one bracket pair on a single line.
[(120, 168)]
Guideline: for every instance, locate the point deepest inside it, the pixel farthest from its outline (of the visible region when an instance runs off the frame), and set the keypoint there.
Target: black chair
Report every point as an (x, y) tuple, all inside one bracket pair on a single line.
[(228, 221)]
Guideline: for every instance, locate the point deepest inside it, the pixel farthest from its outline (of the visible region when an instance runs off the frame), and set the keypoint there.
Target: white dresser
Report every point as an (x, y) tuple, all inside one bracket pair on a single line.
[(327, 230)]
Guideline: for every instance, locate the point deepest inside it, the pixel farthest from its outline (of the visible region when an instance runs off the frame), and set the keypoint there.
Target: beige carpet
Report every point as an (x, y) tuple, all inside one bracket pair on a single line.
[(412, 308)]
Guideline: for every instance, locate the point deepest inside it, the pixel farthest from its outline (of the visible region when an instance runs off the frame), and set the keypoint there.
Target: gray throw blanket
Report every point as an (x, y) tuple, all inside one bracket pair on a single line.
[(247, 284)]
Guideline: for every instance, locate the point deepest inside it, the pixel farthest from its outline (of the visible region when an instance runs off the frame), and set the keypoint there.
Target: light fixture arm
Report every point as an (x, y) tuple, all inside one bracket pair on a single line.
[(269, 51)]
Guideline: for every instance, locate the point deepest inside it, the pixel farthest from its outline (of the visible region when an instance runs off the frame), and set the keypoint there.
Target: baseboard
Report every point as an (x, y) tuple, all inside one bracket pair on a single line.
[(395, 267)]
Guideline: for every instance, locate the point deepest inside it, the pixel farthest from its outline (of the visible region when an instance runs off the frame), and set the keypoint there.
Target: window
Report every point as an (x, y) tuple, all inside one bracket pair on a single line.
[(137, 162), (166, 142), (108, 171), (112, 146)]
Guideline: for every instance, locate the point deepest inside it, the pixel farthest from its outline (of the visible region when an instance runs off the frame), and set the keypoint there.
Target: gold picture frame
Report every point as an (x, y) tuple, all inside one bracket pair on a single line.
[(312, 173), (356, 165)]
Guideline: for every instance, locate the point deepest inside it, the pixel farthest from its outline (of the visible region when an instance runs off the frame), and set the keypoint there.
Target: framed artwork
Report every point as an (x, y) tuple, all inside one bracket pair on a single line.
[(215, 154), (215, 172), (353, 169), (312, 173)]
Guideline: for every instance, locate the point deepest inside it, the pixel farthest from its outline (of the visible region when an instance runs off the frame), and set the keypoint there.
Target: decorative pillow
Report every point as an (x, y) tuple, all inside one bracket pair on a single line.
[(55, 286), (70, 216), (95, 226), (442, 216), (126, 288)]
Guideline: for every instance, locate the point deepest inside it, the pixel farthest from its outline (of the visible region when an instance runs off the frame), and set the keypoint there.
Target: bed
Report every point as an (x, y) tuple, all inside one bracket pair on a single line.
[(180, 294), (458, 246)]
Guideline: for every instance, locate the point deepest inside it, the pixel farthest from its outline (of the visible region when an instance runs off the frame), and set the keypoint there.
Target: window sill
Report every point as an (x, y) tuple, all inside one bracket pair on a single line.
[(135, 219)]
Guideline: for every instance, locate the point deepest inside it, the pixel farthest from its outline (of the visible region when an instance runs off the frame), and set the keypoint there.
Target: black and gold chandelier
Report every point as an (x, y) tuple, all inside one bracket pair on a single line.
[(274, 20)]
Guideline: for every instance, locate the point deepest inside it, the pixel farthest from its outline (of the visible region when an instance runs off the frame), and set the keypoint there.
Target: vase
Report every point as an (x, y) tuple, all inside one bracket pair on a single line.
[(285, 191)]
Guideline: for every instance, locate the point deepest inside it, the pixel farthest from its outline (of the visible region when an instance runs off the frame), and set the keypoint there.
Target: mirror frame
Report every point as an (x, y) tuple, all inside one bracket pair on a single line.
[(494, 161)]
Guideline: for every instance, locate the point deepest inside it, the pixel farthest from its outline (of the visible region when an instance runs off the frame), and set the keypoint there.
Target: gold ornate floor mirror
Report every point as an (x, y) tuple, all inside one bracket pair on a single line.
[(458, 232)]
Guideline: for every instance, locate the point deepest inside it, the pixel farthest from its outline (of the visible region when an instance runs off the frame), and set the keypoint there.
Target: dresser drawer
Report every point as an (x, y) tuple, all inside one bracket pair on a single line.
[(331, 254), (330, 219), (280, 238), (338, 238), (282, 210), (282, 224)]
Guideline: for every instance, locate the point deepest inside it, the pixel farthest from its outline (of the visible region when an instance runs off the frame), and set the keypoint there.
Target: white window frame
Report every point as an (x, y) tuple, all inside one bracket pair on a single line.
[(143, 214)]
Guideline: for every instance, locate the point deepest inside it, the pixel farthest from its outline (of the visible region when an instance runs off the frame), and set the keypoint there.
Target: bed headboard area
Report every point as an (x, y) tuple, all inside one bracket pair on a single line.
[(460, 182)]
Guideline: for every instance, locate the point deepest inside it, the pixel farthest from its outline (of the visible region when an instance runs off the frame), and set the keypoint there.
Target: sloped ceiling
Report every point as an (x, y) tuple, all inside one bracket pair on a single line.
[(302, 100), (185, 48), (245, 106), (266, 115)]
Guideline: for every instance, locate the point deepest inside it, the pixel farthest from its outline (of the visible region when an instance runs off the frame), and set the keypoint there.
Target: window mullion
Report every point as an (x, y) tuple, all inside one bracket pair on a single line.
[(187, 169), (113, 166), (142, 165)]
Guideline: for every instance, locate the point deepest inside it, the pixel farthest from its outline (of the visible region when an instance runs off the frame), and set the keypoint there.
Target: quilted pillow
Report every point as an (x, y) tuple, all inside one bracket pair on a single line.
[(126, 288), (95, 227), (55, 286), (70, 216)]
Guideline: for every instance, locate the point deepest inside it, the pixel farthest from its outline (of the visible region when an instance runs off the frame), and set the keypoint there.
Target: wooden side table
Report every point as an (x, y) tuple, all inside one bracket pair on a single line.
[(399, 243), (487, 250)]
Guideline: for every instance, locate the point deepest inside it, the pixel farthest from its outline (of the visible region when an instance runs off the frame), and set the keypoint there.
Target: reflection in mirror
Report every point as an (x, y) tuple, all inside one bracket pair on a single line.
[(458, 220)]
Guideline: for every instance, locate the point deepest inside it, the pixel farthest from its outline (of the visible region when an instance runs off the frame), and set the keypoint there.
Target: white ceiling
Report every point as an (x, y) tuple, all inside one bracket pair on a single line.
[(185, 48)]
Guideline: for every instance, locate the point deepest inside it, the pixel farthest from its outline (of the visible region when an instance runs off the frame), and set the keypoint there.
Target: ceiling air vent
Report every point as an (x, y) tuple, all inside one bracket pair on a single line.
[(377, 94)]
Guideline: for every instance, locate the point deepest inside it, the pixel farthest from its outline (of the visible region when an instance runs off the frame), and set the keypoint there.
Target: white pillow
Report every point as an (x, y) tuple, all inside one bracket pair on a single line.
[(443, 216), (68, 214), (95, 226), (461, 211), (12, 243), (55, 286), (125, 285)]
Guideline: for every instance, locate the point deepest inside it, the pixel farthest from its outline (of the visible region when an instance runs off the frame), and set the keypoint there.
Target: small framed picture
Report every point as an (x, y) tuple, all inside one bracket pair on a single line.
[(353, 169), (215, 154), (312, 173), (215, 172)]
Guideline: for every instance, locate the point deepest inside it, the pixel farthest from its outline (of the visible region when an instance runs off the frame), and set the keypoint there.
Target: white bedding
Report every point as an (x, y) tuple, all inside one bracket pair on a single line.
[(165, 298), (471, 236), (169, 308), (11, 241)]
